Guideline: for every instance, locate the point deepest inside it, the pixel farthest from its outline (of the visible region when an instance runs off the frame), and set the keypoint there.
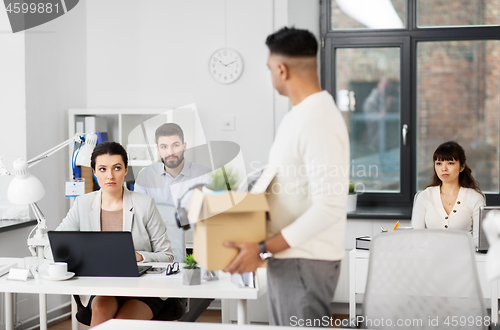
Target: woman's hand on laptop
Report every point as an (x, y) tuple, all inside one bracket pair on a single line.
[(138, 257)]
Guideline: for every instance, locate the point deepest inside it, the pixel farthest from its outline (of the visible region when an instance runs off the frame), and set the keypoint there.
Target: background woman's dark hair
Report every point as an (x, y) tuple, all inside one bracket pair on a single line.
[(453, 151), (108, 148)]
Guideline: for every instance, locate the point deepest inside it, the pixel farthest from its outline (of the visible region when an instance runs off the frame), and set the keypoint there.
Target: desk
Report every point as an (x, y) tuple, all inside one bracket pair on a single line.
[(358, 274), (144, 286), (7, 225)]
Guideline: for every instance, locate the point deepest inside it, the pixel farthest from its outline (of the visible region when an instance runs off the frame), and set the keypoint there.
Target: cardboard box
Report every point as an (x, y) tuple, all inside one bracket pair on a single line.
[(227, 216)]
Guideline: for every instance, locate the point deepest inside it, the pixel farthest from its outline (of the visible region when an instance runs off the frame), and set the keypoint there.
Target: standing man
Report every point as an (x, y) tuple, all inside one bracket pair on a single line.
[(169, 179), (308, 196)]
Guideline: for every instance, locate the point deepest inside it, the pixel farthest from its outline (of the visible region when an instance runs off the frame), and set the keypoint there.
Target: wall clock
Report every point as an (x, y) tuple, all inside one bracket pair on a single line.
[(225, 65)]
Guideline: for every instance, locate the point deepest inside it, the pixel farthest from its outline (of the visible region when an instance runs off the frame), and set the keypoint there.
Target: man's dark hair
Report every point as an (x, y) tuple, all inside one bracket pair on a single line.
[(169, 129), (292, 42), (108, 148)]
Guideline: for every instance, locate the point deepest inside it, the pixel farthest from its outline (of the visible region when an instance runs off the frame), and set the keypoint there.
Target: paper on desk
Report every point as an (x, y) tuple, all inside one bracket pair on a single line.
[(162, 275), (4, 269)]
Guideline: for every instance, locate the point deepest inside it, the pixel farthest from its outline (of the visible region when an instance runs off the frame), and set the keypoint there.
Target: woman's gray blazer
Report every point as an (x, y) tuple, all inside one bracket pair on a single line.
[(140, 217)]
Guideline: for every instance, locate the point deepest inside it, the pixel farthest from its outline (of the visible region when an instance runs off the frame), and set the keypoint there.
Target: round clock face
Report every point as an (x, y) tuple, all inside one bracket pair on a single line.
[(225, 65)]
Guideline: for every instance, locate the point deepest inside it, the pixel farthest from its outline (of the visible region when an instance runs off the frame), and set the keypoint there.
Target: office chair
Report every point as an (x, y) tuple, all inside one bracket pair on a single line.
[(176, 235), (193, 307), (423, 279)]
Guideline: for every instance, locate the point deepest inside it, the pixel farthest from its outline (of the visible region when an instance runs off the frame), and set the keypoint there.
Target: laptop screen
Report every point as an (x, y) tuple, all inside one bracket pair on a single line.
[(483, 244), (94, 253)]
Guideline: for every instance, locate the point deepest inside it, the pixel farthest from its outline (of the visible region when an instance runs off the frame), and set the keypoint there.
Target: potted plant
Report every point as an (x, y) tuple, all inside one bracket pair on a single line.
[(192, 273), (223, 179), (352, 198)]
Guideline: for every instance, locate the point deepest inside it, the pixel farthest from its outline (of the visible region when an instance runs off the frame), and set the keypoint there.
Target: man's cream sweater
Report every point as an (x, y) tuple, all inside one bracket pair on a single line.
[(309, 194)]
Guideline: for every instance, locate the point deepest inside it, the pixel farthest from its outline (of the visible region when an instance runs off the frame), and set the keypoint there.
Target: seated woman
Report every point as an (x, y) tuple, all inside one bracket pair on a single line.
[(453, 198), (115, 208)]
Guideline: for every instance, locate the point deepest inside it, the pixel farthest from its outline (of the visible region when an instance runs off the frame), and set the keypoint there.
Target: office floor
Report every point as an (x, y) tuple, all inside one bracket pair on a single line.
[(209, 316)]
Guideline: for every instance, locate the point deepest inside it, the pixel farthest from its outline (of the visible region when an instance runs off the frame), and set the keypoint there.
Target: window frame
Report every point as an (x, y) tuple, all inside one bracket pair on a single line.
[(407, 38)]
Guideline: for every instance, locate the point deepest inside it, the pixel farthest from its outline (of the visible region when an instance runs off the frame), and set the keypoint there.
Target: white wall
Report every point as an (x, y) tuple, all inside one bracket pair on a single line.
[(55, 81), (12, 90), (12, 107), (304, 15), (156, 55)]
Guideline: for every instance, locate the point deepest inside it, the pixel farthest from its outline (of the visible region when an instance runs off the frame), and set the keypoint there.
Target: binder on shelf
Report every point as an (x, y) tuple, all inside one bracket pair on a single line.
[(102, 137), (363, 242), (95, 124), (80, 124)]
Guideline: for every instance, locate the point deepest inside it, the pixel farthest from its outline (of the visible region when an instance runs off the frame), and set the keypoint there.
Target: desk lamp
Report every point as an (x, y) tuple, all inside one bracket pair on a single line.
[(25, 188)]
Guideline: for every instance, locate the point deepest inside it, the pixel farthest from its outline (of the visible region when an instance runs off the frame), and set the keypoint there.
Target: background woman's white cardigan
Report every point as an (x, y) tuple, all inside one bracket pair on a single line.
[(428, 211), (140, 217)]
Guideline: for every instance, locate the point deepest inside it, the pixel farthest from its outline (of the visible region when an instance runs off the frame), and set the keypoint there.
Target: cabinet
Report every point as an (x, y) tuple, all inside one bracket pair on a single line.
[(135, 129), (122, 126)]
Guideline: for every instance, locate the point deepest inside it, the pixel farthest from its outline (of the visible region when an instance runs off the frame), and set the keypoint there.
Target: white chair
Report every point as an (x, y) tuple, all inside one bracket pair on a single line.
[(423, 279)]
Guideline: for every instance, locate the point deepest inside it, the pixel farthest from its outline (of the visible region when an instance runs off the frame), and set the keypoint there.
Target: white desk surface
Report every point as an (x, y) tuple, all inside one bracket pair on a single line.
[(162, 325), (149, 285)]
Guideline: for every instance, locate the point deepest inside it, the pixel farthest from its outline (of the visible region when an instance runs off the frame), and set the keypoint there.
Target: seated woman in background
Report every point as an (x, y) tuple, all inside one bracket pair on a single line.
[(453, 198), (115, 208)]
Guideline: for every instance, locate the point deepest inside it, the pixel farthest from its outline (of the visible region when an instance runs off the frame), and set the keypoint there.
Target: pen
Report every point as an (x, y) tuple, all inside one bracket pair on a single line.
[(382, 229), (395, 226)]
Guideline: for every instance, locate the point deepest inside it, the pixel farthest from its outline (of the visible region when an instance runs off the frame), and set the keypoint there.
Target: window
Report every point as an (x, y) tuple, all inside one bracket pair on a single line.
[(407, 76), (367, 14), (367, 86)]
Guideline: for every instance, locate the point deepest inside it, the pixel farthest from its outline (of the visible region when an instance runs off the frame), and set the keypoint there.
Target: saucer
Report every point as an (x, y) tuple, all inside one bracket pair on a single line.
[(66, 276)]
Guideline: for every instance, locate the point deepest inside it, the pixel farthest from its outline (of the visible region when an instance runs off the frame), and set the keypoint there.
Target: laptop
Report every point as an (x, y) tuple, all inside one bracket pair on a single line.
[(482, 244), (96, 253)]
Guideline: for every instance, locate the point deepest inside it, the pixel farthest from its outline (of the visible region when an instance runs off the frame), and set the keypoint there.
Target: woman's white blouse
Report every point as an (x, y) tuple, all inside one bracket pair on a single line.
[(428, 211)]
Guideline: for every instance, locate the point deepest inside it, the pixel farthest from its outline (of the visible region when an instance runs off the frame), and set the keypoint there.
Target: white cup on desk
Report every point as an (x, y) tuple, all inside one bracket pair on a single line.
[(57, 269)]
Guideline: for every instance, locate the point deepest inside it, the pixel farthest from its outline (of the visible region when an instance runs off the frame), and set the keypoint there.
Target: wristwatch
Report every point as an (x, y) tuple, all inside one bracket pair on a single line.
[(264, 254)]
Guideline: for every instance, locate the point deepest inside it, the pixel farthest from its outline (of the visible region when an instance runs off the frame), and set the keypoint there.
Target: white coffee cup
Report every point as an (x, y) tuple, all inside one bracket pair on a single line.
[(57, 269)]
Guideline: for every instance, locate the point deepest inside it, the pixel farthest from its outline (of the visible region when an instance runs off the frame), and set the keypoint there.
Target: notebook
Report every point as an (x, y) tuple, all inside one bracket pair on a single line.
[(482, 244), (96, 253)]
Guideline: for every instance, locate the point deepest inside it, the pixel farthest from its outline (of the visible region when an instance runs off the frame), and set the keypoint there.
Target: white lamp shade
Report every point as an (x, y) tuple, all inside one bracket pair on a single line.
[(24, 188), (85, 152)]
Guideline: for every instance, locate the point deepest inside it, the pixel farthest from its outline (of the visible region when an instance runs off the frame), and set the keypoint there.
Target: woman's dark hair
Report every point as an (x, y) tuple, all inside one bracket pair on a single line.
[(292, 42), (453, 151), (108, 148)]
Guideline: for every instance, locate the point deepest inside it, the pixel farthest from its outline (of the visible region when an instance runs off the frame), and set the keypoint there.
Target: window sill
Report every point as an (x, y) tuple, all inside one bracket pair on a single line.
[(381, 213), (8, 225)]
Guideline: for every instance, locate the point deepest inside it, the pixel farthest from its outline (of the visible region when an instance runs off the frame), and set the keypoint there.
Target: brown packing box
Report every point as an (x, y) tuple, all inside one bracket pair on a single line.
[(228, 216), (89, 180)]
